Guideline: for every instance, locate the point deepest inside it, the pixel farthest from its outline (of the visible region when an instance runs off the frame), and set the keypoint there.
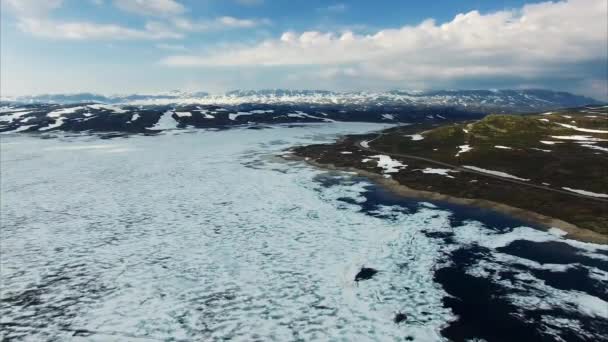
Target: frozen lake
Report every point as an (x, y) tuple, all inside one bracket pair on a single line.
[(209, 235)]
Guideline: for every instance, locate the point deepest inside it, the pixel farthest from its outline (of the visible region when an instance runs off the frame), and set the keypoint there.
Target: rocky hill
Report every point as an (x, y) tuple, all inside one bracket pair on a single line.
[(553, 164)]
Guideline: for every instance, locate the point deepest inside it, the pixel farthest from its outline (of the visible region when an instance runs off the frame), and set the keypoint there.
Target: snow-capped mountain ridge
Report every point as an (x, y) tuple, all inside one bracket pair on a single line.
[(484, 100)]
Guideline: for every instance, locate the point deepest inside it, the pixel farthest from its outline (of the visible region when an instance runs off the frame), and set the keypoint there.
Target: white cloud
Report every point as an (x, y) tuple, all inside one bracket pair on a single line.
[(532, 41), (220, 23), (47, 28), (161, 8), (33, 17)]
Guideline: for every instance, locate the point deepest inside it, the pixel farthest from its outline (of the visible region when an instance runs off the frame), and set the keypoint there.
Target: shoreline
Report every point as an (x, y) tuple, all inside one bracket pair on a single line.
[(545, 222)]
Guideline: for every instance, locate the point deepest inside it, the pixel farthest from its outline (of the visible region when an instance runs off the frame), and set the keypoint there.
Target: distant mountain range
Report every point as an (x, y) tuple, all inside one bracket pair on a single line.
[(529, 100), (150, 114)]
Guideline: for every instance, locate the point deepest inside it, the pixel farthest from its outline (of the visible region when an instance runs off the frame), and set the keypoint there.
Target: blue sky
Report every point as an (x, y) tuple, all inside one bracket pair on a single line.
[(124, 46)]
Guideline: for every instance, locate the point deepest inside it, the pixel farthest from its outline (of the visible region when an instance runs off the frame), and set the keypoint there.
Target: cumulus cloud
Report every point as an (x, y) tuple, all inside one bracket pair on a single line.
[(161, 8), (534, 40)]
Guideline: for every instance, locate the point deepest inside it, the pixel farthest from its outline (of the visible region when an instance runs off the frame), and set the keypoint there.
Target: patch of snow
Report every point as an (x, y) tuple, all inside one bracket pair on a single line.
[(594, 147), (166, 121), (58, 123), (503, 147), (60, 112), (463, 149), (19, 129), (586, 193), (557, 232), (443, 172), (183, 114), (545, 120), (134, 117), (388, 116), (364, 143), (495, 173), (567, 116), (5, 109), (13, 116), (300, 114), (577, 137), (388, 164), (586, 130), (233, 116), (415, 137), (205, 113), (549, 142), (28, 119), (547, 113), (540, 149), (115, 109), (346, 152)]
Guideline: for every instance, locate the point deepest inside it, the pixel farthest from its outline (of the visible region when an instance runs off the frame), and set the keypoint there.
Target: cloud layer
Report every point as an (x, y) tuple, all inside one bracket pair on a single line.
[(534, 41), (555, 44), (168, 21)]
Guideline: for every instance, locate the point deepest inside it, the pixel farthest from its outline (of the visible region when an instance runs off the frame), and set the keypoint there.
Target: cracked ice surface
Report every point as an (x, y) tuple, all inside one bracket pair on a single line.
[(202, 236)]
